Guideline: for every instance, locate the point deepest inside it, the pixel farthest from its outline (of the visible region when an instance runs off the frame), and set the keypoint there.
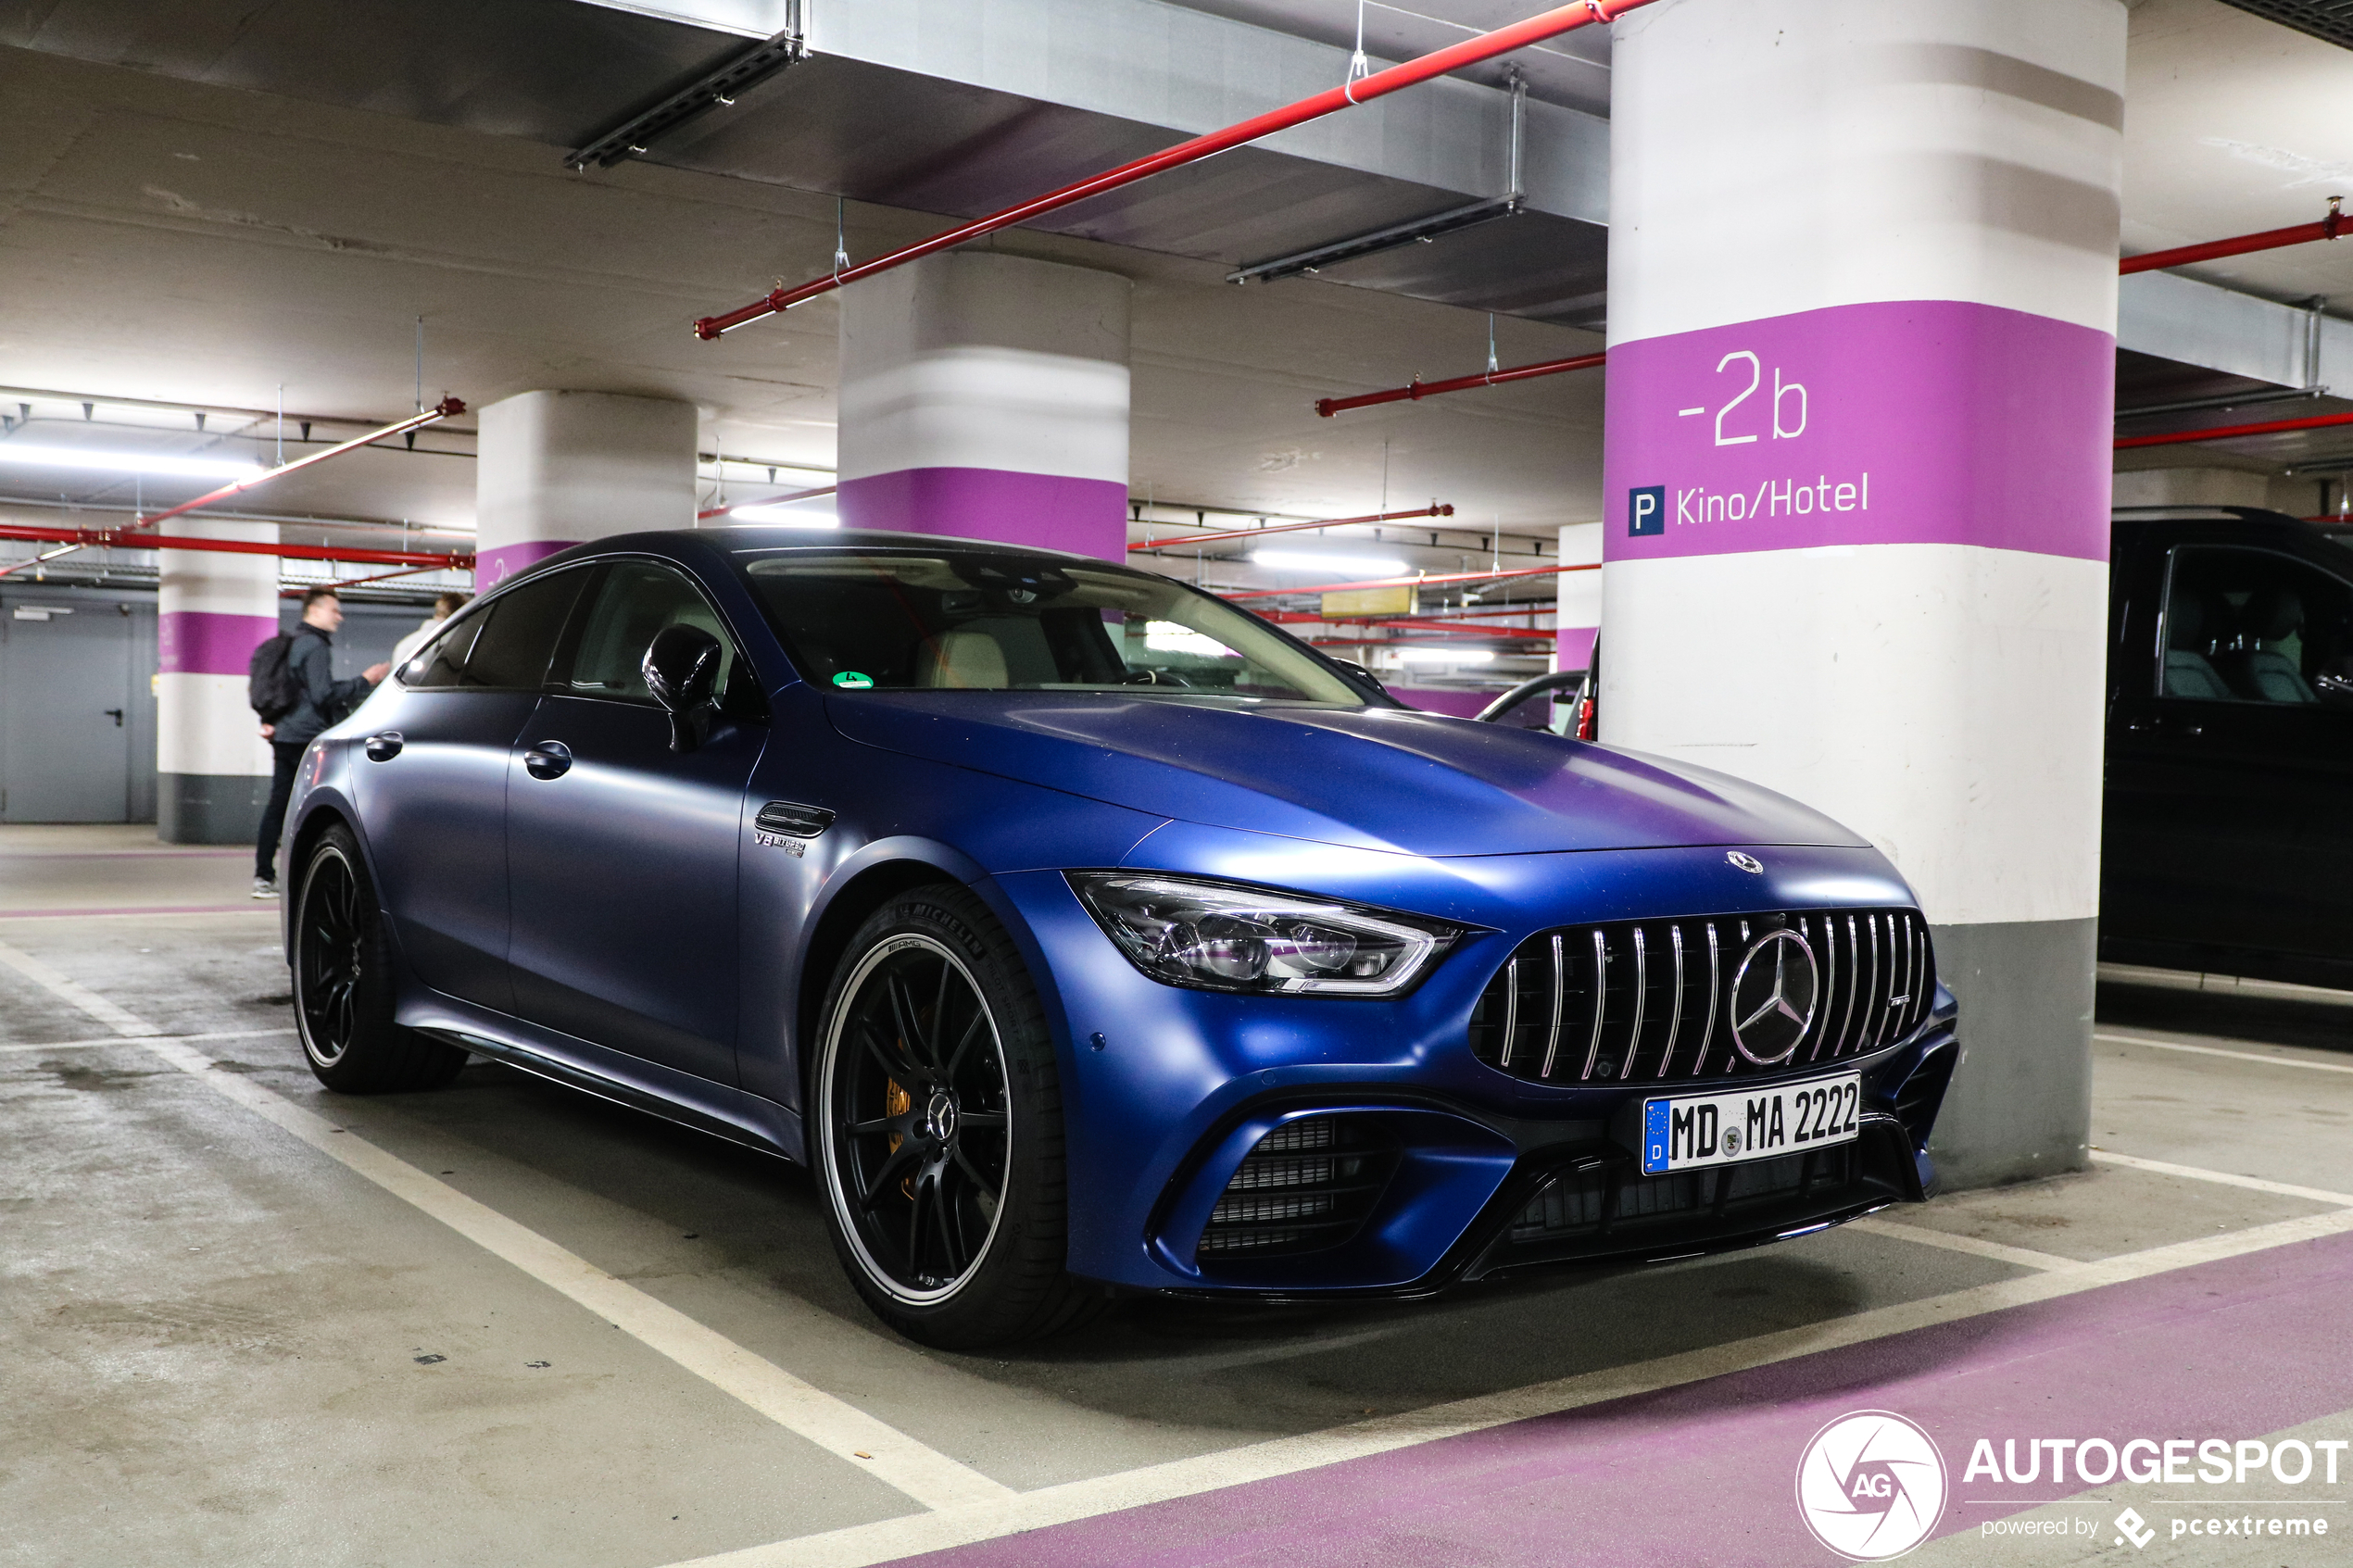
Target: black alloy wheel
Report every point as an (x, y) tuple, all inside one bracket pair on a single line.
[(342, 983), (937, 1128)]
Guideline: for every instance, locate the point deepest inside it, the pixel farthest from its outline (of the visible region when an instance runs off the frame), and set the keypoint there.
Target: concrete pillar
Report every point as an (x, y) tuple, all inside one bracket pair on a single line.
[(985, 397), (1862, 316), (212, 609), (561, 467), (1578, 606)]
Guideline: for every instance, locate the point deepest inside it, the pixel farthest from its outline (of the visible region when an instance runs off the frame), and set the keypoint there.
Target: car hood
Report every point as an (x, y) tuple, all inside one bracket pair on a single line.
[(1370, 778)]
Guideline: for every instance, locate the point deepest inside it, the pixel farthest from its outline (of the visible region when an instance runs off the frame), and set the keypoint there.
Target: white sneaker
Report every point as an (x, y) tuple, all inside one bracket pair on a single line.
[(264, 888)]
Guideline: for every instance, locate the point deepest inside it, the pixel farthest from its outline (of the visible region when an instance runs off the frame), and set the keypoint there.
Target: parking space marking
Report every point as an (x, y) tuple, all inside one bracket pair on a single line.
[(2022, 1256), (2216, 1050), (863, 1545), (2223, 1178), (120, 1039), (928, 1477)]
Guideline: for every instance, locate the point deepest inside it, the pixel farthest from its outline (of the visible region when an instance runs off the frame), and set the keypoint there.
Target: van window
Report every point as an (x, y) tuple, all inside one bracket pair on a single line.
[(2255, 626)]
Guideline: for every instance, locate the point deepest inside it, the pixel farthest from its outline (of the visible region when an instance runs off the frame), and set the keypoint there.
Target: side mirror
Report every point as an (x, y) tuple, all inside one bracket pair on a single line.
[(1355, 669), (681, 669)]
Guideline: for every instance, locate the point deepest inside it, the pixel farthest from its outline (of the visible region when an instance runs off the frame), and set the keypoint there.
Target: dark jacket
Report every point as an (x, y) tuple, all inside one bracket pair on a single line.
[(325, 700)]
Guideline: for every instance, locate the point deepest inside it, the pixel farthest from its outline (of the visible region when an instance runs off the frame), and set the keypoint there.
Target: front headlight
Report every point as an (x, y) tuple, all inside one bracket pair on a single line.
[(1227, 936)]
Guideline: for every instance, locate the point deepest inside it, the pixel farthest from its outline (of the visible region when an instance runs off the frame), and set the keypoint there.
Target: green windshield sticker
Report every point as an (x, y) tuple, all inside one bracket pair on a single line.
[(853, 680)]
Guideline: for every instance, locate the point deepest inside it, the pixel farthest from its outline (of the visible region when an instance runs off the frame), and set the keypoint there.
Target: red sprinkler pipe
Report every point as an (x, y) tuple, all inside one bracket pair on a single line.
[(1471, 51), (2327, 228), (1417, 389), (445, 409), (1184, 540), (2225, 432), (124, 539)]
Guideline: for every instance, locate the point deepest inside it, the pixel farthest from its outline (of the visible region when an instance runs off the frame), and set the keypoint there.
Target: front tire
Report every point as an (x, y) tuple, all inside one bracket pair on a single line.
[(343, 989), (935, 1115)]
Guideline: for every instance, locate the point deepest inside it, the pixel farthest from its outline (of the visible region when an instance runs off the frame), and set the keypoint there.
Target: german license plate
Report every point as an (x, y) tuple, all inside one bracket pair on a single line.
[(1701, 1130)]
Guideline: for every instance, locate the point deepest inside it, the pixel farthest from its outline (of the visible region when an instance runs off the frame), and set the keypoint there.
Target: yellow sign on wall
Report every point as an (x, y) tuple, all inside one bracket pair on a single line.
[(1398, 600)]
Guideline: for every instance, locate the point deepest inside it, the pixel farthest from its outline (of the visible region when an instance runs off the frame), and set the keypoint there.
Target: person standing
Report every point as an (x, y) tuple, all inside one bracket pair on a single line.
[(444, 607), (323, 701)]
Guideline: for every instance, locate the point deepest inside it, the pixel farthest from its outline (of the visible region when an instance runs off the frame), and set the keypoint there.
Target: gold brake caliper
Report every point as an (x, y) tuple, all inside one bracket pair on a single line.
[(898, 1102)]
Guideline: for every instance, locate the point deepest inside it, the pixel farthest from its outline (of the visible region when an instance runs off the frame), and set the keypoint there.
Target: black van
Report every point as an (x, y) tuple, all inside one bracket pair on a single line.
[(2228, 837)]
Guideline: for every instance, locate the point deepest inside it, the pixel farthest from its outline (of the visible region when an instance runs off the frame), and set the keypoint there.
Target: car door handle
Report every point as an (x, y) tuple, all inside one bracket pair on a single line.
[(549, 760), (385, 747)]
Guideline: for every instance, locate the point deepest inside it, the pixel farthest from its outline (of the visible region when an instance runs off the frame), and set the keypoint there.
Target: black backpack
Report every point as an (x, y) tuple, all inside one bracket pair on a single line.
[(271, 687)]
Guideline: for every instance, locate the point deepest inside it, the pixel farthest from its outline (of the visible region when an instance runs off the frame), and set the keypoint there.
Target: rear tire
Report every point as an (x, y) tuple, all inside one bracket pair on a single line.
[(934, 1117), (343, 990)]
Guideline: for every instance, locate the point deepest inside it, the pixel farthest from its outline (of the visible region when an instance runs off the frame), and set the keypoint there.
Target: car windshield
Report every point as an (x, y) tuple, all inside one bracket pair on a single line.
[(887, 620)]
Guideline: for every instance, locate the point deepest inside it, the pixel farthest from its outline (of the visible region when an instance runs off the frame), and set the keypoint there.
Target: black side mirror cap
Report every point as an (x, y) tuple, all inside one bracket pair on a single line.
[(681, 669)]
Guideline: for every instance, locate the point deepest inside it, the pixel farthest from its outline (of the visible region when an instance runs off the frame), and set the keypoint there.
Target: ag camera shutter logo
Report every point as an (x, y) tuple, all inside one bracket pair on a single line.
[(1871, 1486)]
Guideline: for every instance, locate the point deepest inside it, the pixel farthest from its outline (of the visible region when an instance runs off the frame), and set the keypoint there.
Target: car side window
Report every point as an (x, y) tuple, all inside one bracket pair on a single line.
[(2256, 626), (441, 662), (504, 643), (632, 601)]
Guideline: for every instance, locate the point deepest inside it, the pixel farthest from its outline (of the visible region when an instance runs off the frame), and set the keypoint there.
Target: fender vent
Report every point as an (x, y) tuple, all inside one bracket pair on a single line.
[(1306, 1185)]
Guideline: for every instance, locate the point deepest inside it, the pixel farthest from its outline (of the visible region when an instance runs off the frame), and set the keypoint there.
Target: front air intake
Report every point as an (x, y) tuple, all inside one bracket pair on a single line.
[(1652, 1001), (1306, 1185)]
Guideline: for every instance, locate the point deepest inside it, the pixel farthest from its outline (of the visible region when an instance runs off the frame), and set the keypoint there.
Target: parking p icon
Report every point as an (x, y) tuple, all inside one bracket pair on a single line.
[(1646, 509)]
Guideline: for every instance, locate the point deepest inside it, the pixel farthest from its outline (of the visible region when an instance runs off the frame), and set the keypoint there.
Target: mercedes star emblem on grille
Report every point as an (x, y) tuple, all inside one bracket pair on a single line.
[(1745, 862), (1773, 997)]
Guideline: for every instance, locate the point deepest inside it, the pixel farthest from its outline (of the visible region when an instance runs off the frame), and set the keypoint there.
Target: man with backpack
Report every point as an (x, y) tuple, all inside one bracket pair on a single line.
[(292, 686)]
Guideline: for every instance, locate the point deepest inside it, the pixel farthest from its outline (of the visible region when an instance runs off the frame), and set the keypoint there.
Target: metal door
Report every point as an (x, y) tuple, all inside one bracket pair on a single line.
[(67, 719)]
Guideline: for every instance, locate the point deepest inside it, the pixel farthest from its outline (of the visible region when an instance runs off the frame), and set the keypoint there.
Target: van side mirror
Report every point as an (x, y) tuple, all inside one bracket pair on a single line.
[(681, 669)]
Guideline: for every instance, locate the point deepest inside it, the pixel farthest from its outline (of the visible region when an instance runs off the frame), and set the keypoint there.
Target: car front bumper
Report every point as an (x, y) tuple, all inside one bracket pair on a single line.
[(1168, 1091)]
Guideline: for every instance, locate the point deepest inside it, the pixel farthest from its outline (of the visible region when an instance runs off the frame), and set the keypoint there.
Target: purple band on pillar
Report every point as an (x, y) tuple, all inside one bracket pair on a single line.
[(1576, 648), (492, 567), (204, 641), (1085, 516), (1914, 422), (1441, 699)]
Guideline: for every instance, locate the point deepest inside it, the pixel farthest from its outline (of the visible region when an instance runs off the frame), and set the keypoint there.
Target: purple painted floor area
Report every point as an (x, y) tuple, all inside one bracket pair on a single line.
[(1705, 1472)]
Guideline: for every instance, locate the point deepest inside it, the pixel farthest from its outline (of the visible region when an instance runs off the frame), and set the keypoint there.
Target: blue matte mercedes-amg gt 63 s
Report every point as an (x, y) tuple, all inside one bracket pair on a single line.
[(1085, 935)]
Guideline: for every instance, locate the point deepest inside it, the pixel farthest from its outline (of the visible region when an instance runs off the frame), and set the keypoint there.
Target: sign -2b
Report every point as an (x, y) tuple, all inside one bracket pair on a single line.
[(1782, 392)]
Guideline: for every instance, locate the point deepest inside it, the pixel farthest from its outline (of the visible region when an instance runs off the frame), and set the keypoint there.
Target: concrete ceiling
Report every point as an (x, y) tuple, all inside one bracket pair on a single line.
[(168, 232)]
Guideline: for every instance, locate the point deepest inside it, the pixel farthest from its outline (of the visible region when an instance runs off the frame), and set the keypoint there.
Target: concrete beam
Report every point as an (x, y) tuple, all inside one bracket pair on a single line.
[(2196, 323), (1150, 62)]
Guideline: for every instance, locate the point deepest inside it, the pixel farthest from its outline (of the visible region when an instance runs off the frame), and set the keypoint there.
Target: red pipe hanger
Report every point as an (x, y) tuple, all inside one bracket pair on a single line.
[(1471, 51)]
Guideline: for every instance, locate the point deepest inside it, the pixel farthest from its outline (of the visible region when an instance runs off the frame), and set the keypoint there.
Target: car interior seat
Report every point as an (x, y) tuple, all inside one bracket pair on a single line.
[(971, 659), (2190, 624), (2257, 668)]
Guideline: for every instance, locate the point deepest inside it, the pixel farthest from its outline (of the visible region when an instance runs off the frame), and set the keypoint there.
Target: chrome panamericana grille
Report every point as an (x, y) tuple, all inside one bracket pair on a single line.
[(1649, 1001)]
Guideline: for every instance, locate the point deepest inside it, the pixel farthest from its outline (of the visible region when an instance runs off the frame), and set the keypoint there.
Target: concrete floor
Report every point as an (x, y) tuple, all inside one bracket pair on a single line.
[(246, 1321)]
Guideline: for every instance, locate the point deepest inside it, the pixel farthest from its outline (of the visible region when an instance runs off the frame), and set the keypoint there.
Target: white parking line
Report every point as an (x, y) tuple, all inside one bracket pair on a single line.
[(2264, 1058), (930, 1477), (2024, 1257), (862, 1544), (2223, 1178), (120, 1039)]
